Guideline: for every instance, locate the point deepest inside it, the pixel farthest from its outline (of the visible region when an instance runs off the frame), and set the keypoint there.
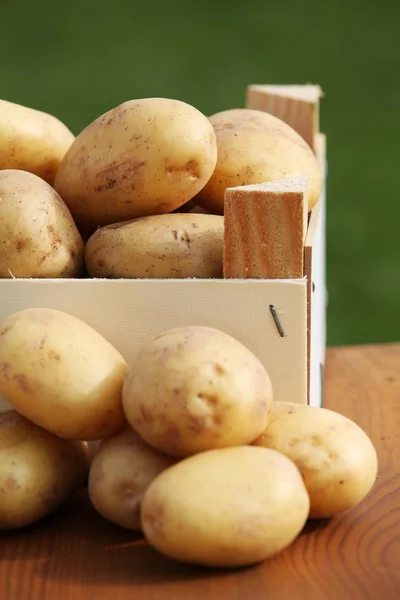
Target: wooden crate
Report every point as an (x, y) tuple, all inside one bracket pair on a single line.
[(281, 320)]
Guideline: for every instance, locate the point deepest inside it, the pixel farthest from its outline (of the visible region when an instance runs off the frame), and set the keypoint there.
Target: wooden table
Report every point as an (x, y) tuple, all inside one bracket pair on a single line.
[(76, 555)]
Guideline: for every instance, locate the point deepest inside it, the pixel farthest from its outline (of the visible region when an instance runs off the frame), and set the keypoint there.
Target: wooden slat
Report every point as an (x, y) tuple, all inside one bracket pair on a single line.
[(265, 229), (297, 105)]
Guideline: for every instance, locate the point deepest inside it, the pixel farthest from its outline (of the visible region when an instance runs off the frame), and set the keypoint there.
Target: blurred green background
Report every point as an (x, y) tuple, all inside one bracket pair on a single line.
[(78, 59)]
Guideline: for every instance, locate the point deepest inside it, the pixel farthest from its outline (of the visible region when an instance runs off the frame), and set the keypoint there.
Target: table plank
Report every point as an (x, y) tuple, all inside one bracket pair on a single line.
[(77, 555)]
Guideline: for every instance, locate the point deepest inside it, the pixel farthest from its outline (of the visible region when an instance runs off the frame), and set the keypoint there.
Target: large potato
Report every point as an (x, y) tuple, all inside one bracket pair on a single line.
[(162, 246), (120, 473), (61, 374), (38, 471), (336, 458), (31, 140), (37, 233), (226, 508), (196, 388), (144, 157), (256, 147)]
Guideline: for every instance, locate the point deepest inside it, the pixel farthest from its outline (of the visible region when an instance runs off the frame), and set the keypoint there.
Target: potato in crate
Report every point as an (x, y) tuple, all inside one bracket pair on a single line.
[(179, 220)]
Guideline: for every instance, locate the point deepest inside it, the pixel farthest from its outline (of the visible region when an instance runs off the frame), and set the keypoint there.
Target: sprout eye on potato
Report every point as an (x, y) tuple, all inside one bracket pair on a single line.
[(121, 471), (144, 157), (164, 246), (61, 374), (194, 389), (38, 471), (336, 458), (39, 238)]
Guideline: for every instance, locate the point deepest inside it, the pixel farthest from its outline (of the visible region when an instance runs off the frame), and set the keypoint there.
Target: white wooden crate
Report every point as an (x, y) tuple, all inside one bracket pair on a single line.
[(129, 312)]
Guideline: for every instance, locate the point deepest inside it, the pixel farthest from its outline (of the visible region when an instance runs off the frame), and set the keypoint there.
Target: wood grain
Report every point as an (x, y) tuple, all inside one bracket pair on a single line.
[(297, 105), (76, 555), (265, 229)]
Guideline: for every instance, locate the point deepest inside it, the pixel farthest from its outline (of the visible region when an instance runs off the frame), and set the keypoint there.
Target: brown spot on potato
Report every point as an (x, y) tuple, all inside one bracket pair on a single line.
[(208, 398), (128, 173), (11, 483), (191, 168), (5, 369), (197, 424), (53, 355), (146, 415), (184, 237), (42, 342), (54, 237), (4, 331), (219, 369), (174, 234), (23, 382)]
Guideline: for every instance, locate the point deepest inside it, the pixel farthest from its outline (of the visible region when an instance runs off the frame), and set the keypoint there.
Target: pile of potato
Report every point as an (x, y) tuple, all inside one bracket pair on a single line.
[(114, 202), (194, 451)]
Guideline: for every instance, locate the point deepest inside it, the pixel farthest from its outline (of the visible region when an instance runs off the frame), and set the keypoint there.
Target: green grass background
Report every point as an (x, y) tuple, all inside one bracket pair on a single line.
[(78, 59)]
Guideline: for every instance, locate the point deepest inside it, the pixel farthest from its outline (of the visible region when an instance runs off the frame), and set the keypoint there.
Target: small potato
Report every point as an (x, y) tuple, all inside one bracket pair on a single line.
[(196, 388), (257, 147), (162, 246), (38, 236), (336, 458), (120, 473), (38, 471), (144, 157), (226, 508), (31, 140), (61, 374)]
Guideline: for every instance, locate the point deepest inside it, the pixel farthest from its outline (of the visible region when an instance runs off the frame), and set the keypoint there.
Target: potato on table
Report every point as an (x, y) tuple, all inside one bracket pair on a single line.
[(121, 471), (60, 373), (227, 508), (144, 157), (196, 388), (32, 140), (161, 246), (38, 236), (257, 147), (335, 456), (38, 471)]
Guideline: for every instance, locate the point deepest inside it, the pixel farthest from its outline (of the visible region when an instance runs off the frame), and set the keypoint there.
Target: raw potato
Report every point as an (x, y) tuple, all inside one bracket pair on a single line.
[(31, 140), (144, 157), (120, 473), (61, 374), (336, 458), (256, 147), (162, 246), (37, 233), (226, 508), (196, 388), (38, 471)]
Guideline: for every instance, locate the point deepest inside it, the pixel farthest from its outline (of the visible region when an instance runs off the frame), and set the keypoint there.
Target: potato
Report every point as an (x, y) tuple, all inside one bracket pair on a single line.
[(227, 508), (256, 147), (120, 473), (31, 140), (162, 246), (196, 388), (38, 471), (336, 458), (144, 157), (38, 235), (61, 374)]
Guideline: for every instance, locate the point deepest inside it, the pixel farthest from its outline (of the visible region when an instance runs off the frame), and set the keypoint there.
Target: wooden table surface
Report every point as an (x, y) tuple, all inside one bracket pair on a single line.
[(76, 555)]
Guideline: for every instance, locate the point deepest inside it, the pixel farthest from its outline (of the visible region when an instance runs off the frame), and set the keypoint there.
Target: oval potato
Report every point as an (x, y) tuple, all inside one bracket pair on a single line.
[(144, 157), (196, 388), (121, 471), (256, 147), (38, 471), (32, 140), (335, 456), (61, 374), (229, 507), (39, 238), (161, 246)]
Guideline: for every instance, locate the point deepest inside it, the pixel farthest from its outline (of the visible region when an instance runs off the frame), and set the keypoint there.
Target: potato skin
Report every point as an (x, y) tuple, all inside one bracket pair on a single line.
[(32, 140), (336, 458), (256, 147), (196, 388), (144, 157), (121, 471), (39, 237), (61, 374), (227, 508), (38, 471), (161, 246)]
